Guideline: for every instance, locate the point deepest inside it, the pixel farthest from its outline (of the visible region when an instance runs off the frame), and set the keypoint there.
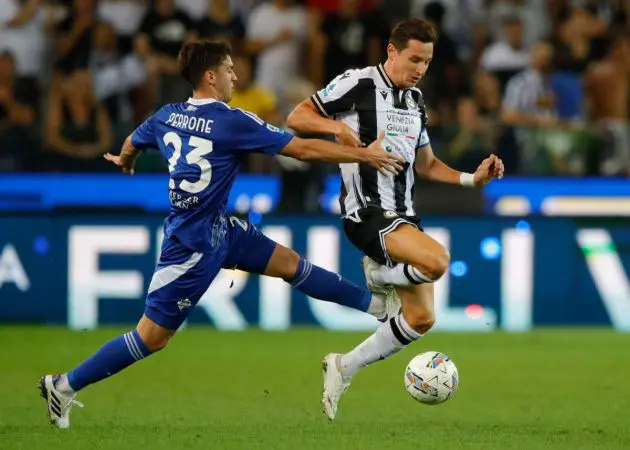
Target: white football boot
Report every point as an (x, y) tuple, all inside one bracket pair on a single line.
[(392, 300), (369, 266), (59, 404), (335, 385)]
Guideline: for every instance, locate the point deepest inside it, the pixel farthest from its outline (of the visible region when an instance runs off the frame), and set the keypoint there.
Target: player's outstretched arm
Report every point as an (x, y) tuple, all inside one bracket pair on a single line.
[(305, 118), (323, 151), (429, 166), (127, 157)]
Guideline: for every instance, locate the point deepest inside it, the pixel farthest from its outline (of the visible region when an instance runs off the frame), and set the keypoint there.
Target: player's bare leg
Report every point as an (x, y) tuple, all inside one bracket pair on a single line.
[(60, 391), (418, 306), (420, 258), (427, 260), (154, 336)]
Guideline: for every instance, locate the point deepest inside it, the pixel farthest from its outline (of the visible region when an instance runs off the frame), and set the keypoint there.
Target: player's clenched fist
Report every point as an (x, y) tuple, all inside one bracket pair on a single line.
[(491, 167), (382, 160)]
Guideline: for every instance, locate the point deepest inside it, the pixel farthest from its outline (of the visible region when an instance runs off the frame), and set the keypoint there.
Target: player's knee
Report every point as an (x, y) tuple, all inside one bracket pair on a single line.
[(421, 320), (437, 264), (154, 338), (157, 343), (290, 265)]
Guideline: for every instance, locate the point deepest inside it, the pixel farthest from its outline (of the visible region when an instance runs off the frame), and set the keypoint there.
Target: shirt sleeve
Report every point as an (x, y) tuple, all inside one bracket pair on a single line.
[(249, 133), (144, 136), (339, 96), (424, 140)]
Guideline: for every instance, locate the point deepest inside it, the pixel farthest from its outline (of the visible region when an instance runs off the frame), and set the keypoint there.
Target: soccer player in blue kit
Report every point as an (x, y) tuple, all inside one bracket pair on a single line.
[(204, 142)]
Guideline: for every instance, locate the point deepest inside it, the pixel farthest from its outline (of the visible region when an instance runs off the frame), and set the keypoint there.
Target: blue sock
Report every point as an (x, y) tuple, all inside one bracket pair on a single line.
[(110, 359), (331, 287)]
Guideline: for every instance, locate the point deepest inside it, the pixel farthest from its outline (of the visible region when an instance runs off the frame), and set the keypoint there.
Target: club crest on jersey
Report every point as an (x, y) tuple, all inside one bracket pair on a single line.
[(390, 214), (328, 89), (411, 103), (184, 304)]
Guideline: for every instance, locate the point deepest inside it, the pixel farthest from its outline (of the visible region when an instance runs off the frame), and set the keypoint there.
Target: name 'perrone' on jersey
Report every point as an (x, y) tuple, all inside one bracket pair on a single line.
[(204, 142)]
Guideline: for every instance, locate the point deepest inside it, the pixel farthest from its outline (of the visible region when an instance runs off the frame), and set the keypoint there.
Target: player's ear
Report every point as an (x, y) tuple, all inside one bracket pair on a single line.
[(392, 51), (211, 77)]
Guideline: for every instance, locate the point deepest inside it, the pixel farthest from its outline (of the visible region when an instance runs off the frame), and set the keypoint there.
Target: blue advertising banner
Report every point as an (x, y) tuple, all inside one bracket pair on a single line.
[(42, 192), (512, 196), (509, 274)]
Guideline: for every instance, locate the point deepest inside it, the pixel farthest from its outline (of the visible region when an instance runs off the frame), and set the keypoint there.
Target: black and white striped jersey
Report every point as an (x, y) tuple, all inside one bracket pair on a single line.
[(368, 101)]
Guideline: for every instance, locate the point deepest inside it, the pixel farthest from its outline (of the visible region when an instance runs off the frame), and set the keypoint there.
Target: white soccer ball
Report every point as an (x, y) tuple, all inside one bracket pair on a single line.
[(431, 378)]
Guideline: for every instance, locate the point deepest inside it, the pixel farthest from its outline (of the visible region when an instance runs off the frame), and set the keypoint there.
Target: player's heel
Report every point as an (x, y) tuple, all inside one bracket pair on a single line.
[(41, 385)]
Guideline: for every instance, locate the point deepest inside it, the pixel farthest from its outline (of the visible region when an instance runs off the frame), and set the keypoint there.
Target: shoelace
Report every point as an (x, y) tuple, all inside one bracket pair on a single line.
[(67, 406)]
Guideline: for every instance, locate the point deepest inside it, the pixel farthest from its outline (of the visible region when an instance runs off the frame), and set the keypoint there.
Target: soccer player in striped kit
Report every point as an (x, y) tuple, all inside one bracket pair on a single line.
[(377, 208)]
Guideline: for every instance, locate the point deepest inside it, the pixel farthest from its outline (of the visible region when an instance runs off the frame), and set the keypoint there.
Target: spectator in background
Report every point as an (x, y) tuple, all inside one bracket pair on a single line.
[(125, 17), (163, 31), (118, 79), (302, 182), (348, 38), (548, 144), (258, 100), (23, 34), (276, 32), (442, 83), (221, 24), (533, 14), (195, 9), (472, 139), (509, 55), (577, 40), (608, 98), (74, 36), (463, 23), (528, 103), (252, 97), (487, 94), (529, 99), (17, 114), (78, 129)]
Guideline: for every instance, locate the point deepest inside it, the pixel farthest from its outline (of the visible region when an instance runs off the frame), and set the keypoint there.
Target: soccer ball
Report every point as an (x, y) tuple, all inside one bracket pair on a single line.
[(431, 378)]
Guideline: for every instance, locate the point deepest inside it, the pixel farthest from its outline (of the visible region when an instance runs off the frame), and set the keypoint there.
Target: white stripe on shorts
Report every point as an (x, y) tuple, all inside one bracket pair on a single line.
[(169, 274)]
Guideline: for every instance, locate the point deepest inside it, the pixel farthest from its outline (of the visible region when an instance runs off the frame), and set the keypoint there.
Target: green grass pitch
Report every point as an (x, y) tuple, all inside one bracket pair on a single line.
[(550, 389)]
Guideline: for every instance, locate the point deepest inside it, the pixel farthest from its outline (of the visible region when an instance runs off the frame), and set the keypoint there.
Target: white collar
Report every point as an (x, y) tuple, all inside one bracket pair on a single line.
[(201, 101)]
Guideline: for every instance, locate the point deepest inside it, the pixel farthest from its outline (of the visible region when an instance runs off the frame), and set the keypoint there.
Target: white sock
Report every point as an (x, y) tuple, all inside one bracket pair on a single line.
[(388, 339), (377, 305), (63, 386), (399, 275)]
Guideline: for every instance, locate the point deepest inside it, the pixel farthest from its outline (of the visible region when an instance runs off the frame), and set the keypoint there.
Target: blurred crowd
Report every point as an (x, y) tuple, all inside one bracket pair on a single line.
[(543, 83)]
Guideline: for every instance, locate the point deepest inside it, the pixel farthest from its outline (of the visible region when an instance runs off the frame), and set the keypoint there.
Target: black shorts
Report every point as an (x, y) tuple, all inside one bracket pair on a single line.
[(368, 235)]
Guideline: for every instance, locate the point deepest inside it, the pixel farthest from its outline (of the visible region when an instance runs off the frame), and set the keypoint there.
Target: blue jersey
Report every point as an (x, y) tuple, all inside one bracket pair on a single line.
[(204, 142)]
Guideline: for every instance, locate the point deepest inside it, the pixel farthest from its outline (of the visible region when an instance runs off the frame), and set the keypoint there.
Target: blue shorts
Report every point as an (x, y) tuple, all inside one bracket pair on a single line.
[(182, 275)]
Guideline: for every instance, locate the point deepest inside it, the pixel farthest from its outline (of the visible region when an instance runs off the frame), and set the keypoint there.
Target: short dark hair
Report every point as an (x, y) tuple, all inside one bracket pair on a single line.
[(195, 58), (416, 29)]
